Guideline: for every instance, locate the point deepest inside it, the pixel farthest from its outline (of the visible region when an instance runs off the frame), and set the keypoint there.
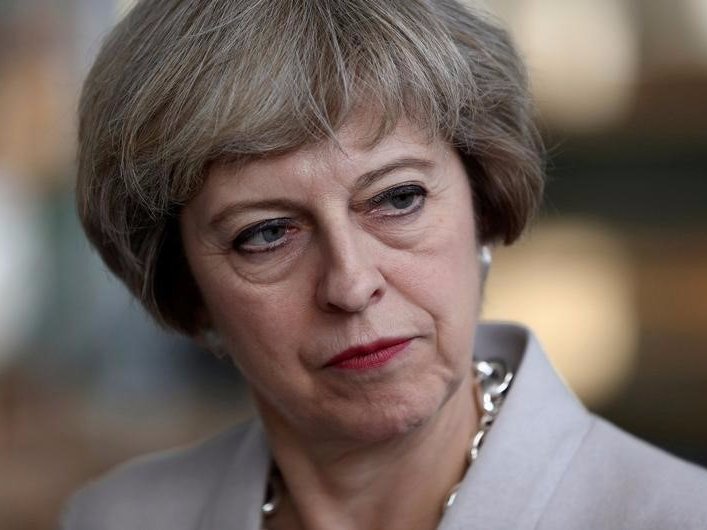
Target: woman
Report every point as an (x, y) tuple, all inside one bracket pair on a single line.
[(310, 188)]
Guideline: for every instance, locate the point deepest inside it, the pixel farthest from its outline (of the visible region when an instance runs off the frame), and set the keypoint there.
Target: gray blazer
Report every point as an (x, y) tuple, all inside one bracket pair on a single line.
[(547, 463)]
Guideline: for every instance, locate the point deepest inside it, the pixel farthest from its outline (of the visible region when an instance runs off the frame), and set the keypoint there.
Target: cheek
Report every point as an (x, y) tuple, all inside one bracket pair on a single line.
[(258, 322), (447, 258), (448, 287), (441, 276)]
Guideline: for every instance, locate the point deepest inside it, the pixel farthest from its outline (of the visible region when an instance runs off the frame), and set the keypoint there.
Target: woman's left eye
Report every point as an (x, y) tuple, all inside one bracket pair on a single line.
[(400, 200)]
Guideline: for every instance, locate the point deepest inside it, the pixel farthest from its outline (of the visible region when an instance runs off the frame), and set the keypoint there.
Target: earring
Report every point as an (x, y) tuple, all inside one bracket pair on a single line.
[(214, 343), (485, 260)]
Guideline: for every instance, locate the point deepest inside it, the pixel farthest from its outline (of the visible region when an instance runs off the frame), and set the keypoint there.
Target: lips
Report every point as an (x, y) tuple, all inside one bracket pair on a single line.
[(368, 356)]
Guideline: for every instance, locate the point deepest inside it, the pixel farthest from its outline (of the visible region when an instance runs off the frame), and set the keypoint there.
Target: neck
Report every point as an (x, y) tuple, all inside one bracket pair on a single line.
[(399, 483)]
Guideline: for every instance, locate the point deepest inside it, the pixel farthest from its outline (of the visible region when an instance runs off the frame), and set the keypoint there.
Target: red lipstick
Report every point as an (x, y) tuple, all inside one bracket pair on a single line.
[(368, 356)]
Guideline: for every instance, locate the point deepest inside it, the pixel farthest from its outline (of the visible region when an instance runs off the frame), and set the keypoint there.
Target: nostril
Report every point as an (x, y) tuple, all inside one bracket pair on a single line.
[(351, 293), (350, 279)]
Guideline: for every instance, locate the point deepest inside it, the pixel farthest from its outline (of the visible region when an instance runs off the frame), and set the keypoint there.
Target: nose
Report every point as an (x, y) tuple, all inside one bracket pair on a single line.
[(350, 279)]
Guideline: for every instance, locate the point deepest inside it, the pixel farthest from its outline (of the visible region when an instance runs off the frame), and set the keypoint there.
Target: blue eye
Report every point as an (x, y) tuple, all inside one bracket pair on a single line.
[(402, 199), (263, 237)]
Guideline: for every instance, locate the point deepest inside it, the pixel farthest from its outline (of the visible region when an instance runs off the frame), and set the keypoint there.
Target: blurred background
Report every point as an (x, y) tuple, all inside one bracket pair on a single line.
[(613, 276)]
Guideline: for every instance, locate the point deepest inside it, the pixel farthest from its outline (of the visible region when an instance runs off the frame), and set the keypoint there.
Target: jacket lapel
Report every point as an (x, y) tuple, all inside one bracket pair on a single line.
[(237, 497), (530, 445)]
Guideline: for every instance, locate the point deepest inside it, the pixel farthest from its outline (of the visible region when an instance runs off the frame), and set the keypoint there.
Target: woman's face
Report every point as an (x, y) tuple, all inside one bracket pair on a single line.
[(303, 257)]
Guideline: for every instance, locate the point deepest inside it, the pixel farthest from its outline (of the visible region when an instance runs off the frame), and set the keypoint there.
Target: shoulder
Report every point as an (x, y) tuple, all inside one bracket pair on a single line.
[(618, 481), (163, 490)]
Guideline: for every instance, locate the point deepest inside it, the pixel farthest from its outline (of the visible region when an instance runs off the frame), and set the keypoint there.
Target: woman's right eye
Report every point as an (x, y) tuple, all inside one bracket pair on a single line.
[(264, 237)]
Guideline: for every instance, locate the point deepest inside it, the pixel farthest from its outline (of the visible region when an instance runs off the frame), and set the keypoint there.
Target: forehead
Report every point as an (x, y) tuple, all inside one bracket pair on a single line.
[(354, 150)]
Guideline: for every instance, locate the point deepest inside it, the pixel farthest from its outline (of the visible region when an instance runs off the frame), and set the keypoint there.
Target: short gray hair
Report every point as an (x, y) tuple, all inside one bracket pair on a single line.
[(178, 86)]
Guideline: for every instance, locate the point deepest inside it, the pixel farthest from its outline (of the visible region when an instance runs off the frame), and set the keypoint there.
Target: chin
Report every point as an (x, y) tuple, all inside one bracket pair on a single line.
[(383, 419)]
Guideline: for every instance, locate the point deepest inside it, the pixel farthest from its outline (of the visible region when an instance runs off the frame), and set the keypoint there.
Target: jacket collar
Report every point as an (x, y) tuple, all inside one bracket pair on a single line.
[(530, 444)]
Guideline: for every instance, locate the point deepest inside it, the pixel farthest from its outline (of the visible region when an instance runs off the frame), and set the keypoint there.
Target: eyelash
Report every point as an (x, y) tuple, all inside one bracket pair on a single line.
[(418, 192), (375, 203)]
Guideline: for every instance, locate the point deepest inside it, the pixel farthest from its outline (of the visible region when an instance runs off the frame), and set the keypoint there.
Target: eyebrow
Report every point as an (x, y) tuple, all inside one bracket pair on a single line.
[(362, 182)]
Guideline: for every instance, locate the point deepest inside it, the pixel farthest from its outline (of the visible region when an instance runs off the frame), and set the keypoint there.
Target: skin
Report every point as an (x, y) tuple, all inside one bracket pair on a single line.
[(348, 263)]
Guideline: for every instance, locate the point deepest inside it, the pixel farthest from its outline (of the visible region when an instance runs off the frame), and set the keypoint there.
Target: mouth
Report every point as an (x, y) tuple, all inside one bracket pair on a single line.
[(369, 356)]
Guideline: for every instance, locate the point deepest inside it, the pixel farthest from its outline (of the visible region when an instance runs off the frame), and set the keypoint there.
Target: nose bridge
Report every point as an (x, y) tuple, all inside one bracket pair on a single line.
[(350, 279)]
